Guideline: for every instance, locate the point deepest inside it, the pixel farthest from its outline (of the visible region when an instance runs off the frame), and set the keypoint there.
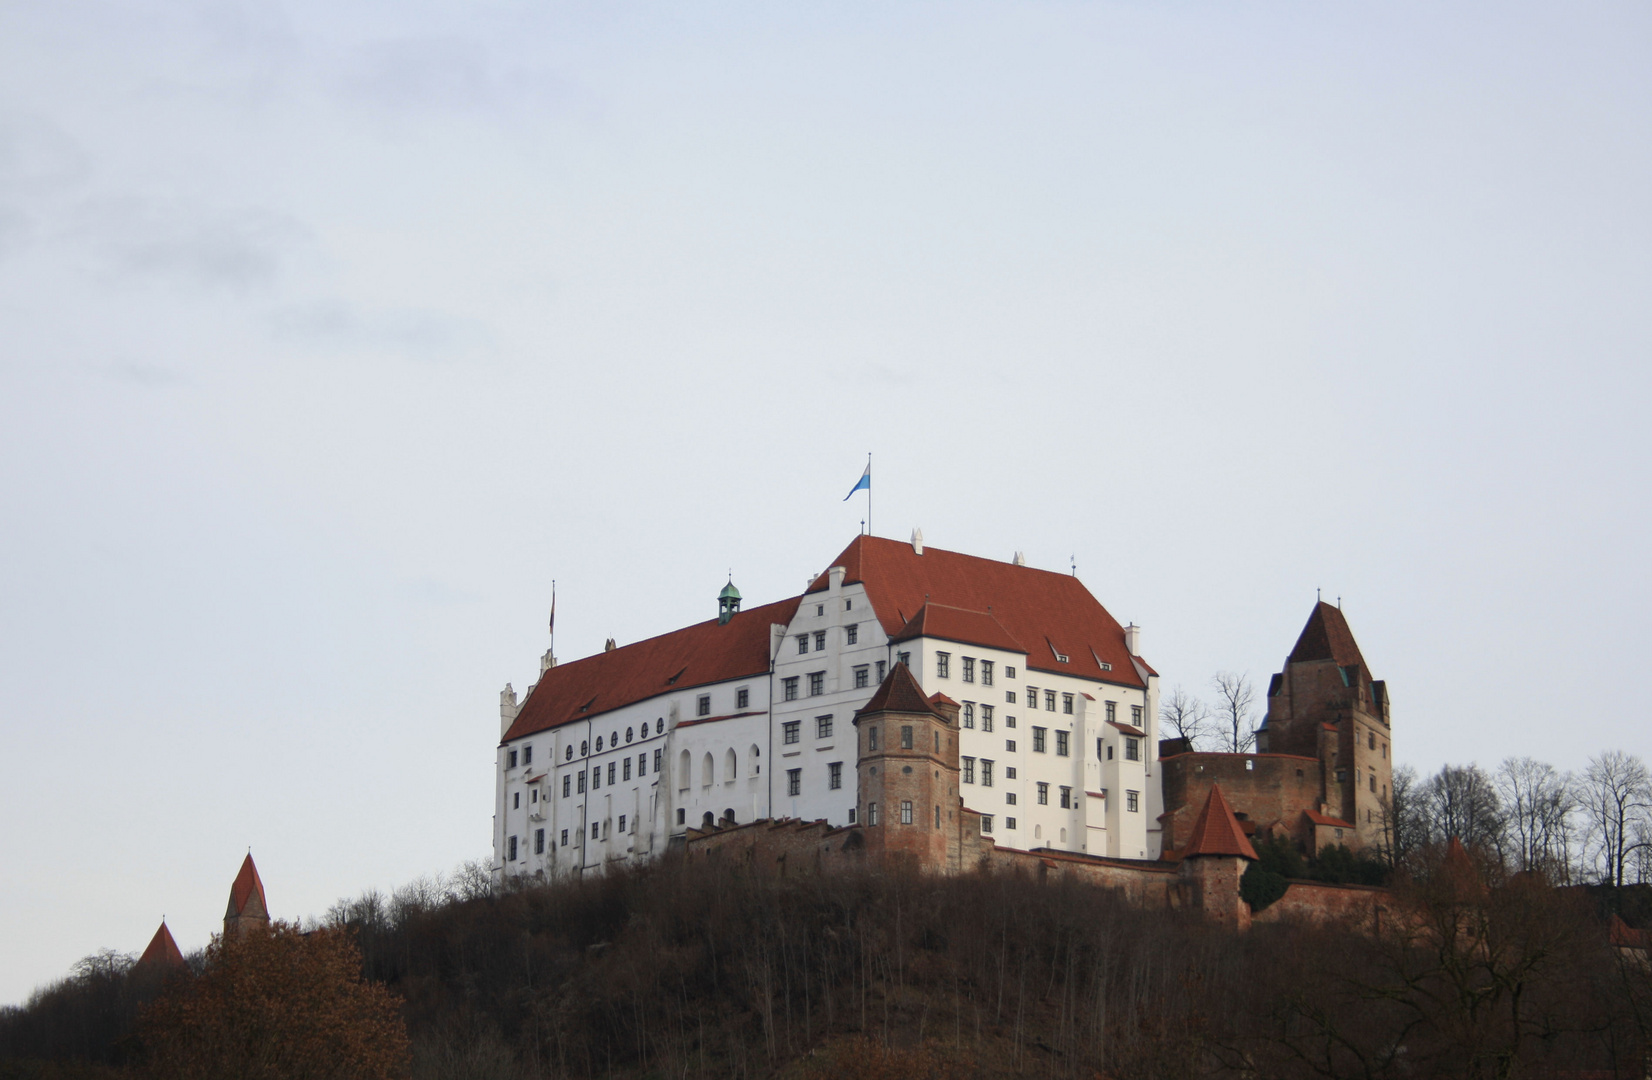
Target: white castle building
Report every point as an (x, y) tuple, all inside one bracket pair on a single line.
[(749, 715)]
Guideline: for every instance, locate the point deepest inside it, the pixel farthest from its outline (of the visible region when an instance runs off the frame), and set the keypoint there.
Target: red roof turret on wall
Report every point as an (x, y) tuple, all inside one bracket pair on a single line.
[(246, 890), (162, 952), (899, 692), (1217, 831)]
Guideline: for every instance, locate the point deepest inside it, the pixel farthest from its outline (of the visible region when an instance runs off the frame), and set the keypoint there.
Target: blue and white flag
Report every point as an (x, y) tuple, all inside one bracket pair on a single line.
[(863, 484)]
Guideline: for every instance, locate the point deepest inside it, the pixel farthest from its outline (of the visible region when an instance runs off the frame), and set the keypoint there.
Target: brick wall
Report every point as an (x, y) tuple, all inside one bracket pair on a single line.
[(1274, 789)]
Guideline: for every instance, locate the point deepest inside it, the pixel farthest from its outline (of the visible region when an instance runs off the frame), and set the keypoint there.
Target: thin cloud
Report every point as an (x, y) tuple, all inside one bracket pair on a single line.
[(142, 239), (418, 334)]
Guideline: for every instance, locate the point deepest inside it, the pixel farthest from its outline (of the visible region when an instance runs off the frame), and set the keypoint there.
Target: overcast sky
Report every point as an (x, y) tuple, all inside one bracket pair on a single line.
[(331, 333)]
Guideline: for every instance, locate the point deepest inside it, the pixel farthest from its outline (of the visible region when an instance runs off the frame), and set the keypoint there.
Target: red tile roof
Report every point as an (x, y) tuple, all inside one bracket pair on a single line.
[(1038, 609), (899, 692), (1325, 819), (1327, 637), (1621, 935), (696, 655), (938, 698), (956, 624), (1217, 831), (246, 889), (1126, 728), (162, 951)]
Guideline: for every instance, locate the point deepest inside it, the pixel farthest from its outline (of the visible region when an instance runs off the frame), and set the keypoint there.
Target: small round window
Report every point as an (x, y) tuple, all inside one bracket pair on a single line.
[(627, 734)]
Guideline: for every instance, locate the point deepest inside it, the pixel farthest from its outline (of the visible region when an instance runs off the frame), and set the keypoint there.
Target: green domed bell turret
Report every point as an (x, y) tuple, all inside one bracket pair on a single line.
[(728, 602)]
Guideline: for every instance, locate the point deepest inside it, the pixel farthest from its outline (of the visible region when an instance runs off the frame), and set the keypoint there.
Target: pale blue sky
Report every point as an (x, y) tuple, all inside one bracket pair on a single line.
[(331, 333)]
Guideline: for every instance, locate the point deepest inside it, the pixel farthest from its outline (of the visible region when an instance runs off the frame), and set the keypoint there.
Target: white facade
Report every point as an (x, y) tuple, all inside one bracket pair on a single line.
[(1073, 769)]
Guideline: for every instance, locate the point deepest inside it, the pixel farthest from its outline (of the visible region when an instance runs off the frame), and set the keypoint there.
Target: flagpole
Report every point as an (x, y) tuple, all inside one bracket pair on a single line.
[(868, 494)]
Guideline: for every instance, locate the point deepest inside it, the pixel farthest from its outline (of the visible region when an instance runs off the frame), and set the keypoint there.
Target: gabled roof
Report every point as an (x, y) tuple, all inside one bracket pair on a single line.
[(899, 692), (1044, 612), (1325, 819), (957, 624), (697, 655), (246, 896), (1624, 936), (1217, 831), (1326, 637), (162, 951)]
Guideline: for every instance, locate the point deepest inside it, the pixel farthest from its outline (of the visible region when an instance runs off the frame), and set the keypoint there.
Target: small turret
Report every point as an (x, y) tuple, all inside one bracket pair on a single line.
[(247, 907), (728, 602)]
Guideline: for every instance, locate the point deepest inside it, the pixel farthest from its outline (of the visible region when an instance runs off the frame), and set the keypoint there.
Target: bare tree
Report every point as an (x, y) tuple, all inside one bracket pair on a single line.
[(1186, 716), (1616, 794), (1235, 711), (1462, 801), (1538, 805), (1404, 829)]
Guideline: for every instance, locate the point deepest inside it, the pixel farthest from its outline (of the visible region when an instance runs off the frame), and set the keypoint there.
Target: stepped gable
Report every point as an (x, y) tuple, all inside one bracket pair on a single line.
[(899, 692), (162, 952), (1327, 637), (698, 655), (246, 896), (1044, 612), (1217, 831), (957, 624)]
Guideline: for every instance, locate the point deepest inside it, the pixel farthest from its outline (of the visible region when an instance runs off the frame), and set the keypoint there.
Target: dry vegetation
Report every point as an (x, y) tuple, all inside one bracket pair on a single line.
[(702, 971)]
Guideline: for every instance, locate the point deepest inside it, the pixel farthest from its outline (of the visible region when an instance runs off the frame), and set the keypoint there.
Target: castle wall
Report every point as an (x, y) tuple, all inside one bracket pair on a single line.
[(1312, 901), (1264, 789)]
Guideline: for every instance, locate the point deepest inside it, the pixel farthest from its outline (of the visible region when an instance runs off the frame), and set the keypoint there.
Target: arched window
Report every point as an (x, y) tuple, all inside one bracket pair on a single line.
[(754, 767), (708, 822), (731, 765), (728, 815), (683, 778), (705, 771)]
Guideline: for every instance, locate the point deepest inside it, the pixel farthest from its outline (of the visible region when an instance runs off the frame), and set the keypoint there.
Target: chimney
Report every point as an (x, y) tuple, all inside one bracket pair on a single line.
[(1132, 639), (918, 541), (837, 574)]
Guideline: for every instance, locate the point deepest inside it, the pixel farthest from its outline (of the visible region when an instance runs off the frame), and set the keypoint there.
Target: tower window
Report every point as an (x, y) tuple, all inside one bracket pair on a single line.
[(906, 736), (1132, 749), (871, 738), (906, 811), (1132, 801), (871, 813), (883, 666)]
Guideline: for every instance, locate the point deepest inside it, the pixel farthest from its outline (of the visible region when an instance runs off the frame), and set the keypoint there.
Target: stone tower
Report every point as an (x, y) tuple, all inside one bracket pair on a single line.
[(910, 810), (247, 908), (1326, 705), (1214, 861)]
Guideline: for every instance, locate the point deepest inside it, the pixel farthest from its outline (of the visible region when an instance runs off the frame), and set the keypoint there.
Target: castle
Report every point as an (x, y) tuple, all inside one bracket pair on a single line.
[(247, 911), (935, 707)]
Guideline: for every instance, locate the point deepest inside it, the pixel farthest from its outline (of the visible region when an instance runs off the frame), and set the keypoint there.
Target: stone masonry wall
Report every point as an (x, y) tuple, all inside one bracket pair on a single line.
[(1275, 789)]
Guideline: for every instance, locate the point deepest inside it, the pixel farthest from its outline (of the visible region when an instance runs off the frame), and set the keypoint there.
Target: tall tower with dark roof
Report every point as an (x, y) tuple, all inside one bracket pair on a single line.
[(247, 908), (1326, 705)]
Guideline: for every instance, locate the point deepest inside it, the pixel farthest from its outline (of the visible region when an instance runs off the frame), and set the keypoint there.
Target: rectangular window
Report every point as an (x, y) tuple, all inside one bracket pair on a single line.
[(1067, 704), (1009, 746), (1009, 772), (594, 828), (1040, 735), (802, 644), (703, 706), (943, 665), (1135, 715), (642, 763), (986, 718), (1062, 741), (871, 738), (968, 770), (788, 688), (906, 736), (1009, 697), (566, 782), (539, 841), (625, 774), (969, 670), (1066, 798), (657, 762), (906, 811), (823, 727), (564, 837), (511, 761), (794, 781), (986, 773), (986, 673), (611, 774), (1043, 794), (511, 847), (871, 813), (1032, 697), (851, 634), (1049, 701), (820, 641), (1132, 748), (861, 677), (967, 718), (1132, 801), (527, 754), (1009, 823), (742, 698), (883, 666), (790, 730), (1112, 712), (986, 823), (1109, 753), (622, 823), (817, 683), (533, 794), (834, 775), (1009, 798), (582, 781)]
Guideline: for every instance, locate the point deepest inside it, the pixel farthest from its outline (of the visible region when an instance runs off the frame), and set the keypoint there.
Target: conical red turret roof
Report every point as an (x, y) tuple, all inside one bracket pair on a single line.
[(162, 951), (899, 692), (246, 896), (1217, 831)]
